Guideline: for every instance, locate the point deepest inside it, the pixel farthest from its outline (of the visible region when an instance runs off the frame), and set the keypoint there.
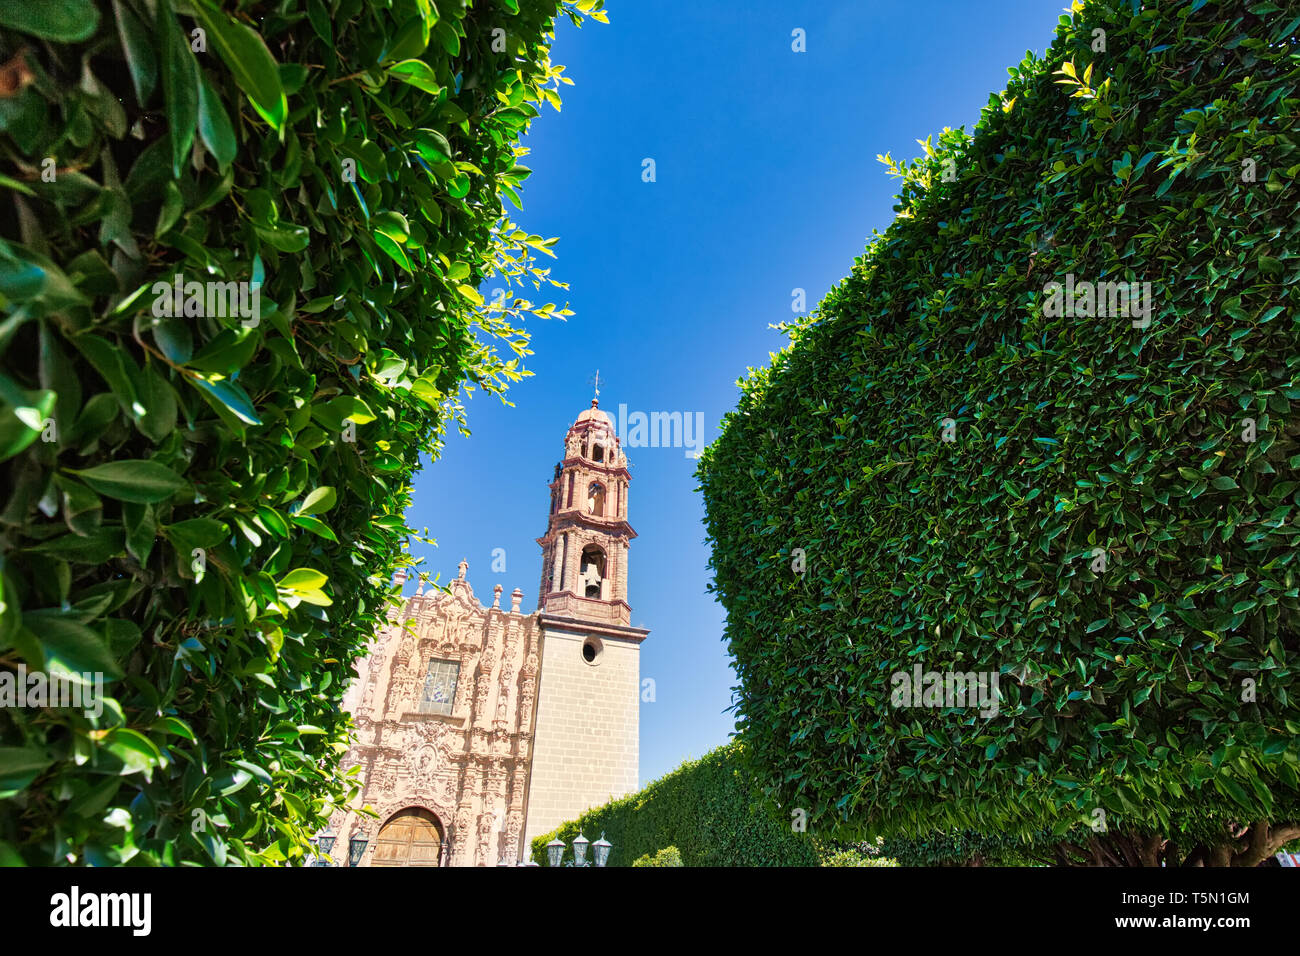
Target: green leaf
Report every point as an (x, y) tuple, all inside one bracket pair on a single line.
[(137, 752), (231, 396), (197, 533), (303, 579), (72, 650), (141, 58), (180, 85), (411, 39), (159, 403), (23, 423), (249, 61), (1233, 789), (112, 363), (320, 21), (393, 225), (175, 726), (133, 480), (458, 188), (214, 124), (315, 526), (174, 340), (232, 782), (393, 250), (64, 21), (418, 74), (337, 411), (19, 767), (285, 237), (433, 146), (318, 502)]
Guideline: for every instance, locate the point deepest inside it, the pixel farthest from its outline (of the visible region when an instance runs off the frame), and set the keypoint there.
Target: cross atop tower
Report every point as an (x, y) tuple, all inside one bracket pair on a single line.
[(595, 381)]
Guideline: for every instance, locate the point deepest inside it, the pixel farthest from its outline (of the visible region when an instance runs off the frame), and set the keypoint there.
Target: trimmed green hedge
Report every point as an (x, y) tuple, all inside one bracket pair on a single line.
[(1099, 508), (710, 809), (205, 504)]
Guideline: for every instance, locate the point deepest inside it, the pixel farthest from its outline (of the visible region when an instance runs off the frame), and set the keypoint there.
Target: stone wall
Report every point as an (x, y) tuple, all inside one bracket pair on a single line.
[(586, 742)]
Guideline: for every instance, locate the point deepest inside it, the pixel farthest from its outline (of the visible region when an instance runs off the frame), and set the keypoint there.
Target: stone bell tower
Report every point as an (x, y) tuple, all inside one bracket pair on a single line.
[(584, 550), (586, 745)]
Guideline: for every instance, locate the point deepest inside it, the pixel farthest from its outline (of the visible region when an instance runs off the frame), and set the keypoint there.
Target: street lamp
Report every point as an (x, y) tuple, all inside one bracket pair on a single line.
[(601, 848), (321, 846), (356, 847)]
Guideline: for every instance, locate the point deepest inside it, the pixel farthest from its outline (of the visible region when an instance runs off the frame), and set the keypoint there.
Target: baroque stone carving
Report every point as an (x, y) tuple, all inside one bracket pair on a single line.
[(439, 761)]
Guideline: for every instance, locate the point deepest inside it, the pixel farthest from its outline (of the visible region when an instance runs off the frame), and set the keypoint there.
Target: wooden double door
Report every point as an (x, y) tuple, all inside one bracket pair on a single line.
[(411, 837)]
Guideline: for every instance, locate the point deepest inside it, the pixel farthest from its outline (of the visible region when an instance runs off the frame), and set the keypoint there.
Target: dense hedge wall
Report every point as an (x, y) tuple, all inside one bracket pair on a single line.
[(207, 506), (710, 809), (1100, 510)]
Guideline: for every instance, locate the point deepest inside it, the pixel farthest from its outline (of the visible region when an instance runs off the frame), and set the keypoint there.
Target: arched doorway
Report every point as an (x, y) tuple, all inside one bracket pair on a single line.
[(411, 837)]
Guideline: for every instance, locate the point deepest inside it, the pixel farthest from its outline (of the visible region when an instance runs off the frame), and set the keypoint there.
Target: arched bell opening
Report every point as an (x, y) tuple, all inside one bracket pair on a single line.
[(596, 499), (591, 574)]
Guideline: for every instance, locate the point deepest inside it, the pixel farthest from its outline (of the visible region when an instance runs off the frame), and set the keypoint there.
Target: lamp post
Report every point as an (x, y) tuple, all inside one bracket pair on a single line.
[(600, 850), (555, 851), (325, 845), (356, 847)]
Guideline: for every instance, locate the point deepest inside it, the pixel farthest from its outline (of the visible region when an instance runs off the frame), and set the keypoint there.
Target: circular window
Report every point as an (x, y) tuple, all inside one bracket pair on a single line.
[(591, 649)]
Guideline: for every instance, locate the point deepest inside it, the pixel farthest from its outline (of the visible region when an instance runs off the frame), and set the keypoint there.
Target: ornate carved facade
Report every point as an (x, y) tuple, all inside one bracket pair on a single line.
[(479, 728)]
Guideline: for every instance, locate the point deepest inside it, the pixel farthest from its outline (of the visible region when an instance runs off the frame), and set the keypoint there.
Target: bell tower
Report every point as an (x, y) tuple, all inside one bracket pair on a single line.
[(584, 550), (587, 741)]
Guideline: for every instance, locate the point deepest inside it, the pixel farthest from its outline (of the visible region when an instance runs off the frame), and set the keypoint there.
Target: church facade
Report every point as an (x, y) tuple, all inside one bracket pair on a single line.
[(481, 727)]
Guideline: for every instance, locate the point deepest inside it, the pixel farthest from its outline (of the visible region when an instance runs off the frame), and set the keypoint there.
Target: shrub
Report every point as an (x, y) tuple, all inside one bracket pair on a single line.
[(668, 856), (1102, 512), (710, 808), (855, 857), (205, 504)]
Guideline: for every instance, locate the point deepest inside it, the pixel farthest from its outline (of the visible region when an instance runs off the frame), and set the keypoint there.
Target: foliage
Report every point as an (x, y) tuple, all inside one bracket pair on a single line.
[(855, 857), (967, 849), (1101, 532), (668, 856), (711, 809), (207, 507)]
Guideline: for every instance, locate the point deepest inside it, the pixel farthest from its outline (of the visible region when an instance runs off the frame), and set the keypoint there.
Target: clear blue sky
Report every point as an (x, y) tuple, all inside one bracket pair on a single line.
[(767, 180)]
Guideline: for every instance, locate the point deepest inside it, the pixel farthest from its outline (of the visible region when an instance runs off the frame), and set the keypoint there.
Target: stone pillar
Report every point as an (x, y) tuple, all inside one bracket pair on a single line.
[(621, 594)]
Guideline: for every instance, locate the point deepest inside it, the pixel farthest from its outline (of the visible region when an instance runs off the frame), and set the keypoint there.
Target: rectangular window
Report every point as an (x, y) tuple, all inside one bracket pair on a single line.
[(439, 687)]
